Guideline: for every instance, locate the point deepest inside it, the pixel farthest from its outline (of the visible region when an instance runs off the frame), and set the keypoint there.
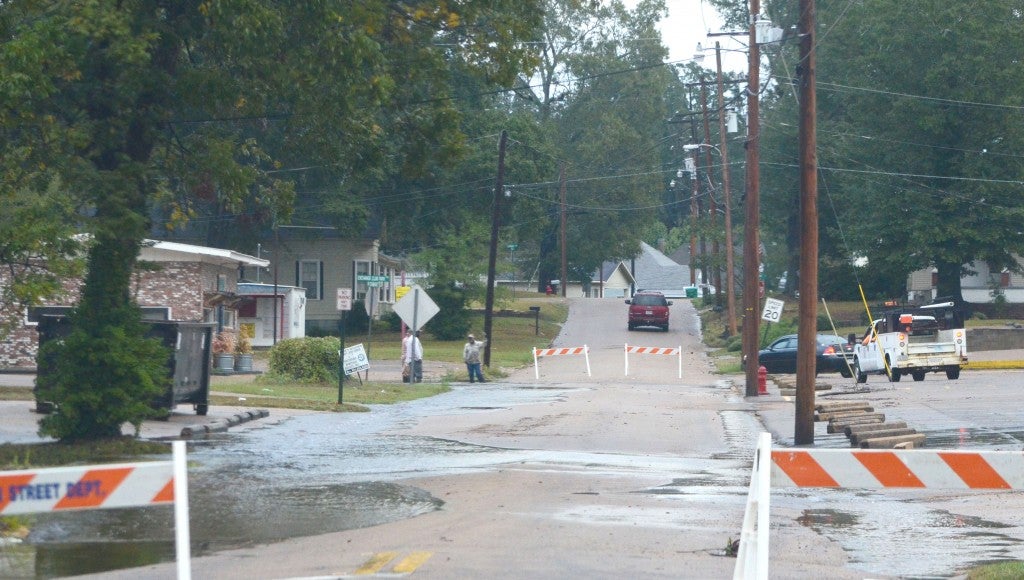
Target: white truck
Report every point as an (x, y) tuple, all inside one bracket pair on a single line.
[(913, 341)]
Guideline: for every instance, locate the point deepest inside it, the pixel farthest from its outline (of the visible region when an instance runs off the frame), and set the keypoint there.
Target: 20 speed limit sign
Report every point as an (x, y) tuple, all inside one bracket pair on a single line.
[(772, 309)]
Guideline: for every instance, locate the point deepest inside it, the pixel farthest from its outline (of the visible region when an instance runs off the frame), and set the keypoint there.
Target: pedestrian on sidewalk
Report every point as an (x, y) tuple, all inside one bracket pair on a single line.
[(471, 356), (412, 356)]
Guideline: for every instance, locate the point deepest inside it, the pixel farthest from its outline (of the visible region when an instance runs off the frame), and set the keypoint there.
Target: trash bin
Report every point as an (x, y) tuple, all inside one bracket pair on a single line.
[(691, 291), (188, 365)]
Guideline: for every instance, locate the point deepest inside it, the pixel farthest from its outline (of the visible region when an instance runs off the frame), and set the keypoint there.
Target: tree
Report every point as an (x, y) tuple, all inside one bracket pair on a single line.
[(149, 108)]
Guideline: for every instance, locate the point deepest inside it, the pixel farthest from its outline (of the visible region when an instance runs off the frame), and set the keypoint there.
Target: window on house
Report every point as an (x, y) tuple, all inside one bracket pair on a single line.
[(222, 283), (309, 274)]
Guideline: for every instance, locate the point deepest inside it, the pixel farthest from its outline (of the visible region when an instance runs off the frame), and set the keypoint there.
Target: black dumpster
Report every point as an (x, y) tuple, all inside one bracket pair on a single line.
[(188, 365)]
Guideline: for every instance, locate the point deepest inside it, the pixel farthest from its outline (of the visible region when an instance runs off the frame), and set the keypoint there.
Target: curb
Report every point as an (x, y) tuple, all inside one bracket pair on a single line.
[(222, 425), (993, 365)]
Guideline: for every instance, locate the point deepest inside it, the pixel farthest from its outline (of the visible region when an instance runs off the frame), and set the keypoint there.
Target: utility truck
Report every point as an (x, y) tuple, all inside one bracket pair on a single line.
[(913, 341)]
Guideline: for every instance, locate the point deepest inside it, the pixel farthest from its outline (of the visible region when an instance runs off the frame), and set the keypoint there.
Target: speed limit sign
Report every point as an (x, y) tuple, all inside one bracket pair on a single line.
[(772, 310)]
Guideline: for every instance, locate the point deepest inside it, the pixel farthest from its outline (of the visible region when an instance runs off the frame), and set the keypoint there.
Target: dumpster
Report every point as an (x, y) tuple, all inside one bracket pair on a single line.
[(691, 291), (188, 366)]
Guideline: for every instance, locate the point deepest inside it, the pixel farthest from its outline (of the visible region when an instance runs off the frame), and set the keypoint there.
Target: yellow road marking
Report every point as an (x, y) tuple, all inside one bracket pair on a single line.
[(410, 563), (376, 563)]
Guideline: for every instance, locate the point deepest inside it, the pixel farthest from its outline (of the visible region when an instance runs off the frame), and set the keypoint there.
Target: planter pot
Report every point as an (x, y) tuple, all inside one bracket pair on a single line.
[(225, 362), (243, 362)]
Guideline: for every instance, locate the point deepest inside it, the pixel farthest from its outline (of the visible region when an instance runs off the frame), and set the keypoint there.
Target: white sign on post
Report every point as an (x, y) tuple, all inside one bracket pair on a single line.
[(772, 309), (344, 299), (356, 360), (416, 308)]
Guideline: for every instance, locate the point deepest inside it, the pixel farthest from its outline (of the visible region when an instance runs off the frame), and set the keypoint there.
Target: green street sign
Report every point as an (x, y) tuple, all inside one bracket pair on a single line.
[(372, 280)]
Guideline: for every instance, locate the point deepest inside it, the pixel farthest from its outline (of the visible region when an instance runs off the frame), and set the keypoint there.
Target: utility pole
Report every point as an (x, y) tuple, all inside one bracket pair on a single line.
[(565, 262), (730, 272), (693, 220), (712, 205), (806, 341), (751, 239), (492, 258)]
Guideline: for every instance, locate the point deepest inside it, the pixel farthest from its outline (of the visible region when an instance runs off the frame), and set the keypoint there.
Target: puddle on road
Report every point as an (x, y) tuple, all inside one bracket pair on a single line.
[(918, 542), (967, 437), (223, 516)]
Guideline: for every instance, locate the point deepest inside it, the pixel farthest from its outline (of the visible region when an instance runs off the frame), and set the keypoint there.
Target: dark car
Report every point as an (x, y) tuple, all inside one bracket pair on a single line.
[(833, 355), (648, 309)]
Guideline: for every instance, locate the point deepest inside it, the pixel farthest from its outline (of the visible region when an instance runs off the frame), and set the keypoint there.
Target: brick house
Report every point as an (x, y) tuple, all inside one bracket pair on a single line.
[(180, 282)]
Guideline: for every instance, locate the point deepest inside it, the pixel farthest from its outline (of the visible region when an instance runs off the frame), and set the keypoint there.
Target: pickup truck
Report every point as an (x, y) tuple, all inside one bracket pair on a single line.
[(912, 341)]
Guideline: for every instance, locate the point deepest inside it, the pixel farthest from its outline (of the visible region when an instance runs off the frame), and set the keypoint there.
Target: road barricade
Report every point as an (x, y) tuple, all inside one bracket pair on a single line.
[(861, 469), (541, 352), (674, 351), (105, 486)]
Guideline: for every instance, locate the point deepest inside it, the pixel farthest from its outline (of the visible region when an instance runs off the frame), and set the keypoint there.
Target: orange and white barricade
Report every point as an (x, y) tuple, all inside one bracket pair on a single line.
[(668, 351), (863, 469), (539, 352), (105, 486)]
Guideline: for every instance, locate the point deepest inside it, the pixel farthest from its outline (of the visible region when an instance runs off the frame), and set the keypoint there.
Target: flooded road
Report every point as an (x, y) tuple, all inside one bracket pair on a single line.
[(311, 474)]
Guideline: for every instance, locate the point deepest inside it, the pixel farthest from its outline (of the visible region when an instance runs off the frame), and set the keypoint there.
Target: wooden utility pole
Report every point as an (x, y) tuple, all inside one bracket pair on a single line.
[(492, 258), (806, 342), (565, 262), (730, 272), (716, 278), (751, 238)]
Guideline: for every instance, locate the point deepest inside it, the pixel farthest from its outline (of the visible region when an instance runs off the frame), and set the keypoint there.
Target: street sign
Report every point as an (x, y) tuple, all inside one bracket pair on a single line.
[(355, 360), (772, 309), (416, 308), (344, 299), (401, 291), (372, 280)]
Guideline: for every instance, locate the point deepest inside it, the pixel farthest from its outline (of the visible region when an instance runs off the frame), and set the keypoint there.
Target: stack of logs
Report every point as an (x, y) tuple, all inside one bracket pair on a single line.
[(865, 428)]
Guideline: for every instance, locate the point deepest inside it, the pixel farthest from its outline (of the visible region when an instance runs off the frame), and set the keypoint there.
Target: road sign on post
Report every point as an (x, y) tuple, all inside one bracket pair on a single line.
[(772, 309), (416, 308), (344, 301)]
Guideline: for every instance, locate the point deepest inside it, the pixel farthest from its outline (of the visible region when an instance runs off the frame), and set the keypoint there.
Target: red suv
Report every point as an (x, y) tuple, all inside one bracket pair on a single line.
[(648, 309)]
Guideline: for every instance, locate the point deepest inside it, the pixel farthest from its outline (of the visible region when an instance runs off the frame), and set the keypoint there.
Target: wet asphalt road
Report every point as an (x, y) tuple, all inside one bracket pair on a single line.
[(393, 480)]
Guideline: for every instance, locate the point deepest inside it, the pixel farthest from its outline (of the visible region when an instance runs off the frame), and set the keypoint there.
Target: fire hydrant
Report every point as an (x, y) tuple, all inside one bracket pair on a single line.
[(762, 380)]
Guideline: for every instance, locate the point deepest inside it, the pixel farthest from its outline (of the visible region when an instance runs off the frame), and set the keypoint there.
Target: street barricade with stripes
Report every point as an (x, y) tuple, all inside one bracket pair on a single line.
[(105, 486), (542, 352), (862, 469), (668, 351)]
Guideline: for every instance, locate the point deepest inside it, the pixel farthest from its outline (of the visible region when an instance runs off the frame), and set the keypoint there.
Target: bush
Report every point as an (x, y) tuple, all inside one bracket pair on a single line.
[(453, 321), (307, 359), (391, 321), (357, 320), (103, 379), (772, 331)]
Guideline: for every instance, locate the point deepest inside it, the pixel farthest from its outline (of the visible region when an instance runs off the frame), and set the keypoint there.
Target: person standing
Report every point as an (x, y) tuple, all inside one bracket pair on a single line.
[(471, 356), (406, 368), (412, 355)]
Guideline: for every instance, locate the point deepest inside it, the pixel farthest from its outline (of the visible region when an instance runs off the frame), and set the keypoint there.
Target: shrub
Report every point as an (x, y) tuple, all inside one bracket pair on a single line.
[(306, 359), (391, 321), (357, 320), (453, 321)]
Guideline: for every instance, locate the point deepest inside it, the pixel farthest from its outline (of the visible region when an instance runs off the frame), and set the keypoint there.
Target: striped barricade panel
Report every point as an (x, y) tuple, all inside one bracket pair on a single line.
[(877, 469), (86, 487), (652, 350), (559, 351), (656, 350), (542, 352)]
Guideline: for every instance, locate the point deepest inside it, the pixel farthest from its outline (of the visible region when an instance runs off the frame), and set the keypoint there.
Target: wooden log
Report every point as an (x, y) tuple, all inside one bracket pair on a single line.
[(862, 418), (838, 405), (841, 427), (916, 440), (857, 429), (829, 415), (856, 439)]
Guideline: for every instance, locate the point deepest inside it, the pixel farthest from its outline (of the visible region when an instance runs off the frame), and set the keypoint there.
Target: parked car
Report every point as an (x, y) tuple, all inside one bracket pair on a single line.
[(648, 308), (834, 355)]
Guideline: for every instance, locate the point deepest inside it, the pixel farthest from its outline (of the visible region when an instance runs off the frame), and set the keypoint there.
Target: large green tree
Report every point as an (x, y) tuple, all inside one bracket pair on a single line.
[(150, 107)]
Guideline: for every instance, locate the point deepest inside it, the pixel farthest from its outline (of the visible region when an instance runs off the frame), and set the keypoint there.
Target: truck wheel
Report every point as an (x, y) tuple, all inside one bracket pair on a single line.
[(918, 376), (202, 409), (893, 374), (862, 377), (953, 373)]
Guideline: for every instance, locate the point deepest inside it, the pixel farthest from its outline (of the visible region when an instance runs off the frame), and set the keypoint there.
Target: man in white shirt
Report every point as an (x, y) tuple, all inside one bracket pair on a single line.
[(412, 355)]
